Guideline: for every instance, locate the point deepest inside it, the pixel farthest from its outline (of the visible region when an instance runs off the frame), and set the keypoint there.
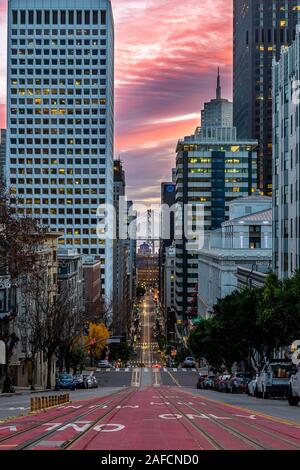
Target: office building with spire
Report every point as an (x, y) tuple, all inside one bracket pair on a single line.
[(60, 119), (213, 167), (260, 28), (219, 111)]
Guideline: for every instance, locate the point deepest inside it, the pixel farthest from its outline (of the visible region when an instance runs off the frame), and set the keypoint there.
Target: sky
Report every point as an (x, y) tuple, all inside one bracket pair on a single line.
[(166, 58)]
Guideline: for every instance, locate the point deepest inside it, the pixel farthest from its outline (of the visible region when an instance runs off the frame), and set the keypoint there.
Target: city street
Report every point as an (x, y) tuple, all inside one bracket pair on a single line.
[(147, 408)]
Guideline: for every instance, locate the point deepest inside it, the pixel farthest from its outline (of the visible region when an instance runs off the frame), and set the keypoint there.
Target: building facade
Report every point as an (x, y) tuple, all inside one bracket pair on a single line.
[(261, 28), (92, 295), (213, 168), (286, 164), (167, 231), (60, 118), (244, 242), (2, 155)]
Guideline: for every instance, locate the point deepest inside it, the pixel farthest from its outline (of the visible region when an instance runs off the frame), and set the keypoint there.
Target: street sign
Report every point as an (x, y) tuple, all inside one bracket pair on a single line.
[(2, 353)]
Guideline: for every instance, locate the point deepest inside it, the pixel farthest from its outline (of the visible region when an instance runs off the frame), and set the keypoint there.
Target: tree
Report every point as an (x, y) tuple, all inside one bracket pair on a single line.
[(77, 356), (96, 340), (19, 238)]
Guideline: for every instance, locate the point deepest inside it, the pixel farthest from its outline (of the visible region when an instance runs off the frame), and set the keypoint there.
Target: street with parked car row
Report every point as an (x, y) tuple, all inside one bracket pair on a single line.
[(154, 407)]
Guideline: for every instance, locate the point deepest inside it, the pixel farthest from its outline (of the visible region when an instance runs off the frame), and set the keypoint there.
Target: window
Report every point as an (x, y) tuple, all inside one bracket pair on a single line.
[(47, 17), (87, 17), (95, 17), (71, 17), (30, 17), (23, 16), (15, 17), (39, 17), (79, 17), (103, 17), (63, 17), (55, 17)]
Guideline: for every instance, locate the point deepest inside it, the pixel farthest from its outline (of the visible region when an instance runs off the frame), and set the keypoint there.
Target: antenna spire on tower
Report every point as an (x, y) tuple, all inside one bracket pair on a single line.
[(219, 89)]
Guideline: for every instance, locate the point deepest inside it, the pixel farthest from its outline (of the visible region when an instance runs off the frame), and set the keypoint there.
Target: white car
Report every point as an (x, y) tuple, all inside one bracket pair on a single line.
[(294, 389), (273, 380), (252, 386)]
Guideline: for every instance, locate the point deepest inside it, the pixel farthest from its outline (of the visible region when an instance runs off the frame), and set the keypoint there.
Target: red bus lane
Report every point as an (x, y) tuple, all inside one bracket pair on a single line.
[(154, 418), (144, 428), (39, 431)]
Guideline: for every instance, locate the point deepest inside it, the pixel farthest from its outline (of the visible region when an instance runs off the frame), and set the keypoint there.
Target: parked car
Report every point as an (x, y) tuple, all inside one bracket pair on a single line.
[(189, 362), (208, 383), (239, 382), (221, 385), (274, 379), (294, 388), (104, 365), (201, 380), (79, 381), (95, 381), (251, 387), (88, 377), (65, 381)]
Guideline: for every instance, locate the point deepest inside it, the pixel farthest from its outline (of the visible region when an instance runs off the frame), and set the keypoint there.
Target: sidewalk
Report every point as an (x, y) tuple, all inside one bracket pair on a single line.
[(24, 391)]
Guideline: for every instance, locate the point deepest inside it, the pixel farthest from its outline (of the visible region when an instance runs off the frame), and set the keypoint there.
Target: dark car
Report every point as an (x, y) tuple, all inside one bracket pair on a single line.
[(239, 382), (221, 383), (208, 383), (65, 381), (79, 381), (189, 362), (201, 380)]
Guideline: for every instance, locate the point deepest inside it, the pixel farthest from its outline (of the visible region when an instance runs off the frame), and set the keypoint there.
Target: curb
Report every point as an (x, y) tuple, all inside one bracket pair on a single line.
[(26, 392)]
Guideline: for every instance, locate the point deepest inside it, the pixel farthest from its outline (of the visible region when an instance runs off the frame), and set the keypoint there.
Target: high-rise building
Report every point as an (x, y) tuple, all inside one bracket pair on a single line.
[(286, 161), (60, 118), (2, 155), (213, 168), (261, 28), (219, 111), (167, 234), (120, 255)]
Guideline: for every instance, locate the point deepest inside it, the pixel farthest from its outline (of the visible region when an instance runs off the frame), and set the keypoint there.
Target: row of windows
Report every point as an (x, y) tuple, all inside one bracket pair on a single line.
[(58, 122), (47, 62), (61, 101), (59, 17), (57, 33), (30, 42), (78, 72), (63, 51), (46, 81), (68, 201), (72, 141), (56, 112)]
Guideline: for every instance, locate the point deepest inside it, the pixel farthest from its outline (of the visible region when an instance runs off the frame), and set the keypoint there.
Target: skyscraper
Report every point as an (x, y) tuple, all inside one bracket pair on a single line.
[(60, 117), (261, 28)]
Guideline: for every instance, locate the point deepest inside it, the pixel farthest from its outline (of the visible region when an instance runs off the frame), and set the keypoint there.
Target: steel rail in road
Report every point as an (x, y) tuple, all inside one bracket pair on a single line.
[(265, 430), (226, 427), (31, 442), (68, 445)]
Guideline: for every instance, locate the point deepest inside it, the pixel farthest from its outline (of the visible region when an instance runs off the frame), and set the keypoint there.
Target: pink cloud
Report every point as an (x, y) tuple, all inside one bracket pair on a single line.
[(167, 53)]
